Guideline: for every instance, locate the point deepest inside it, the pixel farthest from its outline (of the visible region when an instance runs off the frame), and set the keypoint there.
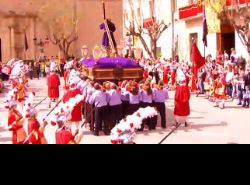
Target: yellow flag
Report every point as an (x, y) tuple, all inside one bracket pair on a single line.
[(213, 10), (136, 41)]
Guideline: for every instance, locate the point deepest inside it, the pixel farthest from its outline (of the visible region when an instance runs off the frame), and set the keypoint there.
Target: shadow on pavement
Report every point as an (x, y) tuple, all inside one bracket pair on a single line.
[(194, 111), (199, 127), (2, 129), (35, 90), (234, 107), (195, 117)]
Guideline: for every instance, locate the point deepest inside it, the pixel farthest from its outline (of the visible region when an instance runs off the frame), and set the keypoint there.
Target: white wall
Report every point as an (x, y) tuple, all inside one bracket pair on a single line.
[(182, 3), (163, 12), (212, 44), (194, 26), (183, 29), (240, 48)]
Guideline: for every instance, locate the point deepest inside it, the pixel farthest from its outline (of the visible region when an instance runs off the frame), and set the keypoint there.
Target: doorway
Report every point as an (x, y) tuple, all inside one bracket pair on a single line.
[(228, 42), (226, 39)]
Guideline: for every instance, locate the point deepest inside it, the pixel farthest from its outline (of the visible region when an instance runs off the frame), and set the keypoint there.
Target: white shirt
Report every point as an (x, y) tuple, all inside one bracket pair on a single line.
[(229, 76)]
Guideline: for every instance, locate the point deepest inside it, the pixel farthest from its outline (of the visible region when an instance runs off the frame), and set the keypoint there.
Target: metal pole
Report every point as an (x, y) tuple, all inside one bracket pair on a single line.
[(204, 51), (35, 34), (10, 42), (173, 27)]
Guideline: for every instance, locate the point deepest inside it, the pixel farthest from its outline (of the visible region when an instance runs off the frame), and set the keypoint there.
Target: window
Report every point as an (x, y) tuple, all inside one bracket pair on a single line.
[(193, 37)]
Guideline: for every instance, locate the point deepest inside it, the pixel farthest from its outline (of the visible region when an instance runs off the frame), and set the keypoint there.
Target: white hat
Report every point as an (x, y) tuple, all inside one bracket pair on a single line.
[(63, 113), (10, 99), (28, 109), (53, 67), (69, 64)]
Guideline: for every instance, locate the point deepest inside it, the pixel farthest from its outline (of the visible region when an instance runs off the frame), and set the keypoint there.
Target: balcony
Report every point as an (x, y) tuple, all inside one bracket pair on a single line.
[(190, 11), (241, 2), (195, 10)]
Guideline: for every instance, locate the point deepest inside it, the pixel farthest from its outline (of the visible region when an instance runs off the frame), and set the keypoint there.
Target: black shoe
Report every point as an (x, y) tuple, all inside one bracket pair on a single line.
[(106, 132), (96, 133), (239, 104), (186, 125), (164, 127), (244, 105), (176, 124)]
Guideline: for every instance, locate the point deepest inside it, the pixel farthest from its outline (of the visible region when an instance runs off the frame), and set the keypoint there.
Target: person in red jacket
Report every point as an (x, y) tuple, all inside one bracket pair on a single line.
[(76, 114), (15, 119), (145, 74), (182, 97), (64, 135), (166, 76), (61, 117), (173, 78), (35, 130), (220, 91), (53, 82)]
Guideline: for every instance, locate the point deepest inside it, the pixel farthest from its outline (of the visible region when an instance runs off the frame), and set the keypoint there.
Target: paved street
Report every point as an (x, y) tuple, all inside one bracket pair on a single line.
[(207, 124)]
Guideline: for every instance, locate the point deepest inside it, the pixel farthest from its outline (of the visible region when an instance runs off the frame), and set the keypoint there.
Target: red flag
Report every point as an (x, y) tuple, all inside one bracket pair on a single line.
[(198, 60)]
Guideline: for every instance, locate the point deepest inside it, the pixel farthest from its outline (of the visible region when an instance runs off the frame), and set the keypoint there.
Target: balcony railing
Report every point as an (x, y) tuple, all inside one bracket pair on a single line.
[(190, 11), (194, 9)]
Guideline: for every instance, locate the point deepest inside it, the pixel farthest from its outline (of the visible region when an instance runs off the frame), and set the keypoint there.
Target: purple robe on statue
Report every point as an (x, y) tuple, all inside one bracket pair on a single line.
[(105, 40)]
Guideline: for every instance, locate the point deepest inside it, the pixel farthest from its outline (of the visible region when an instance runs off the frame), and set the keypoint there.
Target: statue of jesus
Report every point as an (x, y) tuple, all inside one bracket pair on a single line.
[(108, 41)]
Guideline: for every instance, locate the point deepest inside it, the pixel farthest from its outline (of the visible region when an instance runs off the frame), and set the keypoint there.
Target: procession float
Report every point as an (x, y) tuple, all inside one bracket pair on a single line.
[(107, 62)]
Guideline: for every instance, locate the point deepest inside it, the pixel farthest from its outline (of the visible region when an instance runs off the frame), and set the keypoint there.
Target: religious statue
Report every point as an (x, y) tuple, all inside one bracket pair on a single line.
[(108, 41)]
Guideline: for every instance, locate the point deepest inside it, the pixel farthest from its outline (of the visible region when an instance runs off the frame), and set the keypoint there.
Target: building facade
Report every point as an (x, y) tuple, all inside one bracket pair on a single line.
[(186, 23), (19, 18)]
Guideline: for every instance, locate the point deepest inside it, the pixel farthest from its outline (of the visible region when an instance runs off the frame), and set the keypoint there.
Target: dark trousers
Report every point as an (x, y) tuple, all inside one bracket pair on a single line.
[(201, 85), (83, 110), (133, 108), (38, 73), (115, 115), (31, 74), (89, 115), (240, 96), (101, 116), (151, 122), (229, 89), (246, 102), (125, 108), (162, 110), (88, 111)]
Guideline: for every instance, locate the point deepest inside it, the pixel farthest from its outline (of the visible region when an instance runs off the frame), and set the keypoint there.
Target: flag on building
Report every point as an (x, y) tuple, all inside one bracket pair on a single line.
[(214, 8), (26, 42), (205, 29)]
